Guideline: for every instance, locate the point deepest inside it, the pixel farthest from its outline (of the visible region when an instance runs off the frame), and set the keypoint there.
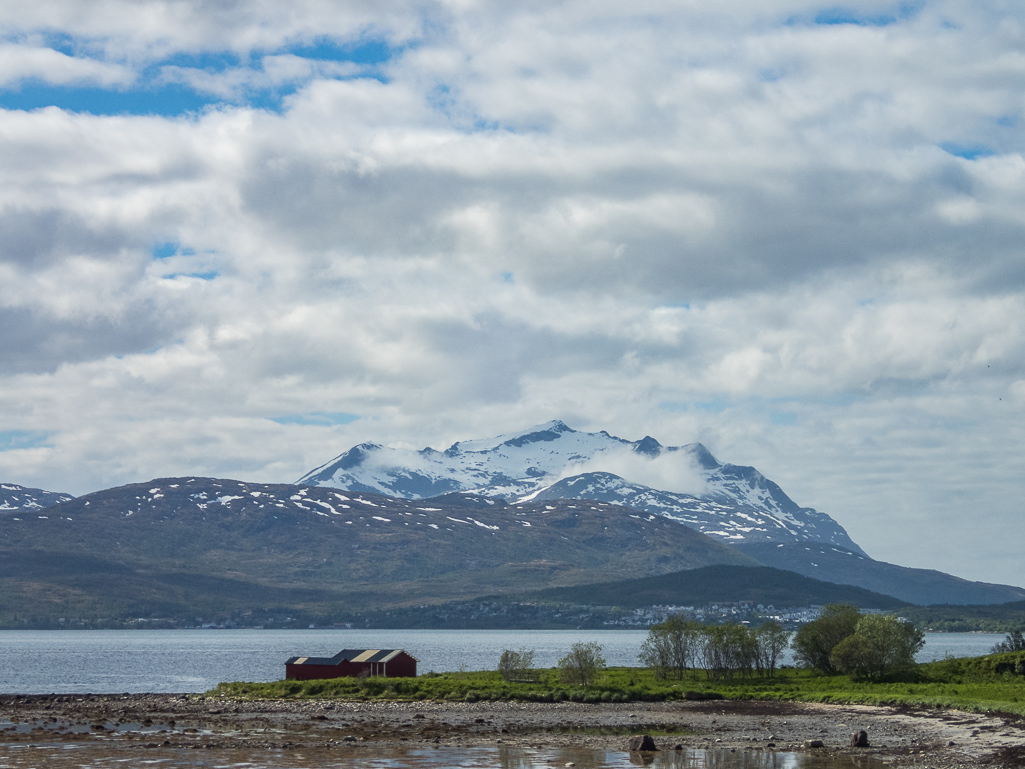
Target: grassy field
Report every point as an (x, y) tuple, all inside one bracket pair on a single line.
[(995, 682)]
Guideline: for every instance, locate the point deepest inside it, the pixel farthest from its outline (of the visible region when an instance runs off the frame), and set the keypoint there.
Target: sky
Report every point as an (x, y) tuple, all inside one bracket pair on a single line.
[(237, 238)]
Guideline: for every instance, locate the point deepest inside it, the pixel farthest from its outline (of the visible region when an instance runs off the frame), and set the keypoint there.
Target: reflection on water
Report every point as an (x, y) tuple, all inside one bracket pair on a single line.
[(57, 756)]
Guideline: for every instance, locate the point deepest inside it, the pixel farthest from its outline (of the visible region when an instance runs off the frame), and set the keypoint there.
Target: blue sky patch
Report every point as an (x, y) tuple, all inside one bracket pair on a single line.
[(169, 249), (847, 16), (966, 151), (167, 100), (152, 94), (782, 418), (839, 15), (12, 440), (317, 418), (368, 52)]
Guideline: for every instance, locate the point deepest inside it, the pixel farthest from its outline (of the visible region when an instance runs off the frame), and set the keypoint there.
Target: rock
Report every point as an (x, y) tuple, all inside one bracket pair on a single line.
[(641, 742), (859, 739), (813, 743)]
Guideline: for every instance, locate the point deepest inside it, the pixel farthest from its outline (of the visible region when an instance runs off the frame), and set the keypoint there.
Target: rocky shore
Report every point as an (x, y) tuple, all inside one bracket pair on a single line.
[(305, 730)]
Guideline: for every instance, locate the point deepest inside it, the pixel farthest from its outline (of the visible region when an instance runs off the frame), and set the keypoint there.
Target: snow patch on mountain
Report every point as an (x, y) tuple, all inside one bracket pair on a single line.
[(552, 461), (15, 498)]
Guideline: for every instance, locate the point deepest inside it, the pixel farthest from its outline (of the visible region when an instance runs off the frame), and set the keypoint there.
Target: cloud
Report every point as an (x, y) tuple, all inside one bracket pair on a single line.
[(733, 225), (669, 471), (19, 62)]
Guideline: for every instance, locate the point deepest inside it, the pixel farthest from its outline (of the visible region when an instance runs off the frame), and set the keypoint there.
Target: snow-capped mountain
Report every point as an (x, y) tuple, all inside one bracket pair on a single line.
[(552, 461), (776, 519), (15, 498)]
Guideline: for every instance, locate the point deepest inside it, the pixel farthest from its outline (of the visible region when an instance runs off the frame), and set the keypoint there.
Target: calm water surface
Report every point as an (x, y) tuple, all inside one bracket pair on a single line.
[(61, 757), (115, 661)]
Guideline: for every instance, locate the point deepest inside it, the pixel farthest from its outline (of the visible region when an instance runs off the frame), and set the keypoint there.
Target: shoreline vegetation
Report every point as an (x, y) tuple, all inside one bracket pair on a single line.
[(845, 656), (991, 683)]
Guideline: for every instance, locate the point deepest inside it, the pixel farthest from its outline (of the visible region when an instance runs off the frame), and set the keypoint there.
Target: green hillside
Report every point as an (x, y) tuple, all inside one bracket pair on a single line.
[(723, 584)]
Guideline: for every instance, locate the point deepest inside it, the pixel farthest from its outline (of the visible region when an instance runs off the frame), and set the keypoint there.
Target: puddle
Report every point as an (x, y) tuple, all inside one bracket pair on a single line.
[(80, 756)]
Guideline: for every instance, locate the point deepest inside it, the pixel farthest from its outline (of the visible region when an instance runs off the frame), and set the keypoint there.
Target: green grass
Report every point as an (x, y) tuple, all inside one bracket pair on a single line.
[(995, 682)]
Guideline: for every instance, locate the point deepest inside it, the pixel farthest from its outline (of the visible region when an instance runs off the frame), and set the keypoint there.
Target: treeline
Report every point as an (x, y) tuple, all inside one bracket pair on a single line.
[(842, 640), (677, 645)]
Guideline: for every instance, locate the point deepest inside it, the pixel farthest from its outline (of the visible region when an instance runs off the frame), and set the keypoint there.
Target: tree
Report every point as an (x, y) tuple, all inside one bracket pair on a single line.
[(671, 647), (657, 652), (728, 650), (517, 665), (882, 645), (1014, 642), (814, 641), (583, 663), (771, 640)]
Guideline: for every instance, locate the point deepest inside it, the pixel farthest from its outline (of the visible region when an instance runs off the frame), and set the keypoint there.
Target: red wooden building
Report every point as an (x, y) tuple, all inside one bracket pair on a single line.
[(392, 663)]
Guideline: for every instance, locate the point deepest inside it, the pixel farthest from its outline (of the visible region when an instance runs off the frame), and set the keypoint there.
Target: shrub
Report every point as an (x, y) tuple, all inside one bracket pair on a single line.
[(517, 665), (814, 642), (881, 646), (583, 663)]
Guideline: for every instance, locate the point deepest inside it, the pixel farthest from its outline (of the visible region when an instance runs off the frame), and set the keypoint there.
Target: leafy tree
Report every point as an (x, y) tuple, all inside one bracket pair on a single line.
[(1014, 642), (882, 645), (583, 663), (814, 641), (516, 665), (657, 652), (771, 641), (671, 647)]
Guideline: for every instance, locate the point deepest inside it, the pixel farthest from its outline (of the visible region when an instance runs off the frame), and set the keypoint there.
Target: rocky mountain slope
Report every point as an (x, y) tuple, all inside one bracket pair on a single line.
[(916, 586), (552, 461), (715, 513), (15, 498), (174, 544)]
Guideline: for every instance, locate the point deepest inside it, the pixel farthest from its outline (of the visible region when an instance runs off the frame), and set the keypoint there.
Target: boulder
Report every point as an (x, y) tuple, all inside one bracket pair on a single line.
[(641, 742), (859, 739), (814, 743)]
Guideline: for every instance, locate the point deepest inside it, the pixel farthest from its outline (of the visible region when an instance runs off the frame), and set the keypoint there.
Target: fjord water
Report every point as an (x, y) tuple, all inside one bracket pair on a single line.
[(182, 661)]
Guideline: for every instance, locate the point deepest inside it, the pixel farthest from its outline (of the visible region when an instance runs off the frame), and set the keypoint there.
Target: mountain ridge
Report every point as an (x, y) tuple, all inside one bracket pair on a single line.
[(320, 547), (17, 499), (731, 502)]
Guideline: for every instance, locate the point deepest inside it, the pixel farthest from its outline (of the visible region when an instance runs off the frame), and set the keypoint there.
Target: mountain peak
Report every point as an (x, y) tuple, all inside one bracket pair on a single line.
[(684, 483), (648, 445), (547, 431)]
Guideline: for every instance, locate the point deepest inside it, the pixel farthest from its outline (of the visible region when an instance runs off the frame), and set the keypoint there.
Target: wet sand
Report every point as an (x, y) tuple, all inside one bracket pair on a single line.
[(147, 725)]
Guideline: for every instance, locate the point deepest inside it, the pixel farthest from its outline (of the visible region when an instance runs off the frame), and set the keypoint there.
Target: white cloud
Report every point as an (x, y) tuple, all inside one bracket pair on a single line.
[(669, 471), (723, 224), (20, 62)]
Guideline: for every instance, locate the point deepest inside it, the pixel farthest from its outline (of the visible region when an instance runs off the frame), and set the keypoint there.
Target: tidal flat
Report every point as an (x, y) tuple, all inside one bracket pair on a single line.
[(61, 731)]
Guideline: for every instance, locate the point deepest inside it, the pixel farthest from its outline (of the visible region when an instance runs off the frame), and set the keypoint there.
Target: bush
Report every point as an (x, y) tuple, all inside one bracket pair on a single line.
[(517, 665), (583, 663), (881, 646), (814, 642)]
